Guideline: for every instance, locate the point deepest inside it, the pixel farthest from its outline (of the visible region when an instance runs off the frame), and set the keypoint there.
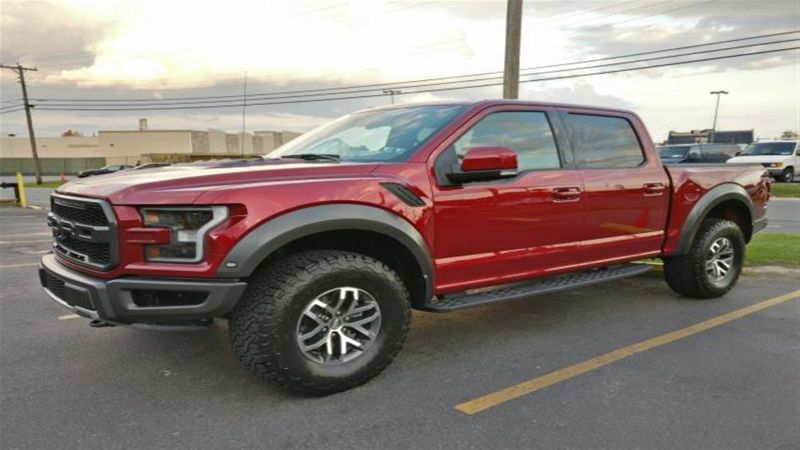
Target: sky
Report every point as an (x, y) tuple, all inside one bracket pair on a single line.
[(147, 52)]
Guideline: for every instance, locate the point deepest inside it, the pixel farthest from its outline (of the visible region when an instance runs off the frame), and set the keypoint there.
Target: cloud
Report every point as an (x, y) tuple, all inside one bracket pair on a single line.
[(704, 23)]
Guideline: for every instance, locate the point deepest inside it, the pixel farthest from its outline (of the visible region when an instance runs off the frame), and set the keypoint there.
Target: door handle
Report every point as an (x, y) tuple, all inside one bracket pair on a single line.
[(566, 194), (653, 189)]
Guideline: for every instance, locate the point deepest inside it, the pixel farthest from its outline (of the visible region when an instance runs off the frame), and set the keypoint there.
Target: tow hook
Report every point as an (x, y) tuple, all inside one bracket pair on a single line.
[(99, 324)]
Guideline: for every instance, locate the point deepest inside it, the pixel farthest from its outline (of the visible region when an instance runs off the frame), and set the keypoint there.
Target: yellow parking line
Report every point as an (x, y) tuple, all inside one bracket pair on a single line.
[(485, 402)]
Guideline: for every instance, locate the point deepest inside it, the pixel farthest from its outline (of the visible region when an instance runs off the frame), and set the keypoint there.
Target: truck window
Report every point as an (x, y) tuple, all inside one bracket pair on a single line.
[(527, 133), (603, 142)]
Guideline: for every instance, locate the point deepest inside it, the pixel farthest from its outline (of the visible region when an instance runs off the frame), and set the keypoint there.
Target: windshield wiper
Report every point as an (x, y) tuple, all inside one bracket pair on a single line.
[(313, 156)]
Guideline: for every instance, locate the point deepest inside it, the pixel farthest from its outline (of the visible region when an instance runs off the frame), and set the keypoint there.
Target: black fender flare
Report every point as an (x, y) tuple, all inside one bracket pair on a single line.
[(707, 202), (258, 244)]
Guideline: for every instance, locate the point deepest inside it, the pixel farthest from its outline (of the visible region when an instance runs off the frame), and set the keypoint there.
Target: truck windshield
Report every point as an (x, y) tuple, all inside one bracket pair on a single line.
[(380, 135), (769, 148), (673, 151)]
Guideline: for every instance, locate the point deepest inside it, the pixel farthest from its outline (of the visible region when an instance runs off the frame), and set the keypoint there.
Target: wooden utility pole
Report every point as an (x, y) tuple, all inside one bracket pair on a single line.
[(21, 74), (513, 31)]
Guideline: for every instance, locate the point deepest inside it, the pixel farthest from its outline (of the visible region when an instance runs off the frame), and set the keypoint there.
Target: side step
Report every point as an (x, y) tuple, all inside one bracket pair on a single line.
[(476, 297)]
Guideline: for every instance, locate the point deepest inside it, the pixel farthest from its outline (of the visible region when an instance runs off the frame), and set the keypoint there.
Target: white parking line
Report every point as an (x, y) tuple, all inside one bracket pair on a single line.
[(43, 233), (19, 265), (69, 317), (23, 242)]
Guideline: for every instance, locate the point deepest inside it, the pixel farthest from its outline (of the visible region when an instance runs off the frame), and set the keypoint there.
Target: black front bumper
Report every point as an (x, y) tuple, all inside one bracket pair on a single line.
[(114, 301)]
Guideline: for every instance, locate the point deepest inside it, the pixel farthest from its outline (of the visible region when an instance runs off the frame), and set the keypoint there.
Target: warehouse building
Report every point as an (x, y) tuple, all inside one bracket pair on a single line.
[(711, 136), (71, 154)]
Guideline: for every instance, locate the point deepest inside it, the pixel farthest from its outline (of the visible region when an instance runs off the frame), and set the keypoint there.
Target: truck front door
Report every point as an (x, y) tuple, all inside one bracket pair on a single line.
[(494, 232)]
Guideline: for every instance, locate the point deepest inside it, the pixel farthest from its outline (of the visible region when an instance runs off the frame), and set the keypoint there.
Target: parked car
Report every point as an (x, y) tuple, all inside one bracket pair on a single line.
[(150, 166), (697, 153), (317, 255), (781, 158), (103, 170)]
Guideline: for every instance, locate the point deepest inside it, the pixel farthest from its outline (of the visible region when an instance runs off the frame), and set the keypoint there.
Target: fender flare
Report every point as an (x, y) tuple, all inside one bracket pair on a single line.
[(707, 202), (273, 234)]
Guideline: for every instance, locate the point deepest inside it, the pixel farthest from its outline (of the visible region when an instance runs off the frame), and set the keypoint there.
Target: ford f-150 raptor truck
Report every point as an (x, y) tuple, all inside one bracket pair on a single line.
[(317, 253)]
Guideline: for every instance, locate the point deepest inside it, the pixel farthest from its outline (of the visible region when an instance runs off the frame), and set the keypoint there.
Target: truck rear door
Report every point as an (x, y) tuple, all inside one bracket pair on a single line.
[(626, 189)]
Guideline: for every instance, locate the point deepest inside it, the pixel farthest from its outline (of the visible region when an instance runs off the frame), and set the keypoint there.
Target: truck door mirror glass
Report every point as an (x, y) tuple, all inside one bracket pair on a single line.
[(484, 164)]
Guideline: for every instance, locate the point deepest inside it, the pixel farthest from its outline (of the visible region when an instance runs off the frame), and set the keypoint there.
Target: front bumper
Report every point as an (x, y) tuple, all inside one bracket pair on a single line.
[(116, 301)]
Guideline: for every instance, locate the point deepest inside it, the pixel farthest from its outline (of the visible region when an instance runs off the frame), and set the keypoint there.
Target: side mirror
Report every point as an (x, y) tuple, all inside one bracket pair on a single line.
[(485, 164)]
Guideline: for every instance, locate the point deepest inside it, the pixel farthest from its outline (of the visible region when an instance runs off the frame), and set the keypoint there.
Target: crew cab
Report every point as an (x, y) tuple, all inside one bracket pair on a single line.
[(781, 158), (317, 254)]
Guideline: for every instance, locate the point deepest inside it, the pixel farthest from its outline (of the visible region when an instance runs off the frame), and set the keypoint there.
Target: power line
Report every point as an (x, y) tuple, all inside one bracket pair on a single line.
[(13, 110), (693, 5), (138, 105), (391, 84), (451, 88), (17, 105)]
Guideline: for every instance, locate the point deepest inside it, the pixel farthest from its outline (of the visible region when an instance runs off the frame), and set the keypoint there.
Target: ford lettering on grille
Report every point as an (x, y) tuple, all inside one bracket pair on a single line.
[(84, 231)]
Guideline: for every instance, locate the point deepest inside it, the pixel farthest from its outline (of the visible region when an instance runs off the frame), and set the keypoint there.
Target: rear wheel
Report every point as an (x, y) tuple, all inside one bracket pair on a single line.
[(713, 264), (320, 322)]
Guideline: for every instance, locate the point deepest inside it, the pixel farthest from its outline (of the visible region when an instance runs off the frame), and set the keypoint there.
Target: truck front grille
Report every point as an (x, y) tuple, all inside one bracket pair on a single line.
[(84, 231)]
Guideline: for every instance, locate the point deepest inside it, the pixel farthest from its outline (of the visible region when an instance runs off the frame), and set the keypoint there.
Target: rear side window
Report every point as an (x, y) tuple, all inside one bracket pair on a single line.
[(527, 133), (603, 142)]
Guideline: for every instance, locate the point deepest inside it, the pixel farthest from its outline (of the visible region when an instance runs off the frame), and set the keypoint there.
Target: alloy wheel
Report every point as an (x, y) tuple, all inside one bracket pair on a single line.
[(338, 325)]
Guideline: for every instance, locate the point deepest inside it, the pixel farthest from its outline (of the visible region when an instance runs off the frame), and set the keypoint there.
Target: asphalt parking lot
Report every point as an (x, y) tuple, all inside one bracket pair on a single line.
[(731, 383)]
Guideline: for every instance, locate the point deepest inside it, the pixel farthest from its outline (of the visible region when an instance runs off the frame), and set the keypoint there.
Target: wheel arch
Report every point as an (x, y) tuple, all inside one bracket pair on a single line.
[(364, 229), (727, 201)]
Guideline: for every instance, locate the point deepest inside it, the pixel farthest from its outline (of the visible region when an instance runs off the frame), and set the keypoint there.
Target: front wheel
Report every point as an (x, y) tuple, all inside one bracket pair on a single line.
[(787, 176), (712, 266), (320, 322)]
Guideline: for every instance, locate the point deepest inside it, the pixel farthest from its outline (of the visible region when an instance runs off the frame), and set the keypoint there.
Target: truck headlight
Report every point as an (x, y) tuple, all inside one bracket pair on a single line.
[(777, 164), (188, 228)]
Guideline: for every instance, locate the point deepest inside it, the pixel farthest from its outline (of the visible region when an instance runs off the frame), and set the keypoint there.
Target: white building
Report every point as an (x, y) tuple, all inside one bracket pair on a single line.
[(132, 146)]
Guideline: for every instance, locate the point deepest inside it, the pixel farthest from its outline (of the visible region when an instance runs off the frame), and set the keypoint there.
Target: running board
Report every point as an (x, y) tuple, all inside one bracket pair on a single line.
[(476, 297)]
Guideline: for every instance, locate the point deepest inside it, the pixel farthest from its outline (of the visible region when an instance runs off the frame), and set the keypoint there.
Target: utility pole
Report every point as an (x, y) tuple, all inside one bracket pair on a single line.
[(392, 93), (21, 74), (716, 111), (513, 32)]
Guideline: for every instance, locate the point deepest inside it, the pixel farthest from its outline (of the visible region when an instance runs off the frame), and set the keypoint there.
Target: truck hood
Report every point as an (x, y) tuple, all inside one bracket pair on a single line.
[(757, 159), (184, 183)]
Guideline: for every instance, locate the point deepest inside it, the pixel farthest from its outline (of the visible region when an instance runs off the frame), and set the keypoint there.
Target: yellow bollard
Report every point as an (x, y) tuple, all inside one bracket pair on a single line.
[(21, 187)]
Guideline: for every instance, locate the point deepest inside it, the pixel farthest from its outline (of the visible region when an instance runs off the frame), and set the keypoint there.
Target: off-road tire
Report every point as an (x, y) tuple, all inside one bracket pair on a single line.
[(263, 325), (686, 274)]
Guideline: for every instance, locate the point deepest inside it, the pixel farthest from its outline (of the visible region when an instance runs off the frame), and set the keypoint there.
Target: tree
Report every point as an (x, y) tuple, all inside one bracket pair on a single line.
[(71, 133)]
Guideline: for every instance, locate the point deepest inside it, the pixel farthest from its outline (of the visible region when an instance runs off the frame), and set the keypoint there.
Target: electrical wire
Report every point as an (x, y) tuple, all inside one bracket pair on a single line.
[(393, 84), (413, 86), (451, 88)]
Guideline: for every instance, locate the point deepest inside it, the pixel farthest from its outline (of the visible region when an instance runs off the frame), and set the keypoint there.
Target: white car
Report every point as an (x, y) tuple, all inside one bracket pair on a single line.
[(780, 158)]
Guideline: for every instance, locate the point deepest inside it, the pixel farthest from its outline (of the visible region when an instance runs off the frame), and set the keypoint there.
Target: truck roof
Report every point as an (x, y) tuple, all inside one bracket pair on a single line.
[(496, 102)]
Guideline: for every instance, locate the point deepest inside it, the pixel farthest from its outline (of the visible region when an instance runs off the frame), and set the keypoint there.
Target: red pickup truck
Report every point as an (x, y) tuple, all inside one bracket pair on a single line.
[(317, 253)]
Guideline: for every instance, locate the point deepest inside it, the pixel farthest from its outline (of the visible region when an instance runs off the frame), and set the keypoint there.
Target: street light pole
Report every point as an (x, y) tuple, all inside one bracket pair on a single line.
[(716, 112), (392, 93)]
